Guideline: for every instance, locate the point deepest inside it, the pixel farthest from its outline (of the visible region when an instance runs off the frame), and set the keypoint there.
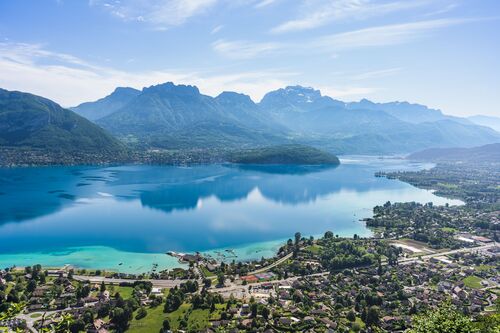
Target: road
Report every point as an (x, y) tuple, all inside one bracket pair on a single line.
[(274, 264), (156, 283)]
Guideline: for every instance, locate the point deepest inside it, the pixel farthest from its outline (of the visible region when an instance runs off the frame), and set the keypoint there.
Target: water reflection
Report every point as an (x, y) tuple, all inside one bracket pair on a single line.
[(155, 209)]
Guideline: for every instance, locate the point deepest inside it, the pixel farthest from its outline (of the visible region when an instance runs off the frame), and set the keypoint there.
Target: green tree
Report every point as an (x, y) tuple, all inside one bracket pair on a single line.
[(297, 238), (445, 319), (351, 316), (220, 279), (141, 313), (372, 316)]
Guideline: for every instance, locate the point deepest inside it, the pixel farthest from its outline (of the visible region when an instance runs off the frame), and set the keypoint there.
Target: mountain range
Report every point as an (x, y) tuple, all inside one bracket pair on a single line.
[(181, 117)]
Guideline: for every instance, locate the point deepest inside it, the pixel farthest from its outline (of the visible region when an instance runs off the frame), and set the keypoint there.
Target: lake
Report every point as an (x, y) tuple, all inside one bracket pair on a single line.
[(126, 218)]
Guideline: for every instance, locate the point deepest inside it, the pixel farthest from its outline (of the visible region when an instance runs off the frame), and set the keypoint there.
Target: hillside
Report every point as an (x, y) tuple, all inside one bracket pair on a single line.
[(284, 154), (30, 121), (487, 153)]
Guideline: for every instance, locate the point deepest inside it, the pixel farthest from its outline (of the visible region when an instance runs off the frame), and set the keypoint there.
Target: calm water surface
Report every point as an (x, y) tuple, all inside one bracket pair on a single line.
[(126, 217)]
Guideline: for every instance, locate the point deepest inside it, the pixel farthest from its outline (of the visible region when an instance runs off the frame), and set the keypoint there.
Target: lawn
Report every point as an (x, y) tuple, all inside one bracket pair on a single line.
[(125, 292), (473, 282), (206, 272), (483, 268), (151, 323)]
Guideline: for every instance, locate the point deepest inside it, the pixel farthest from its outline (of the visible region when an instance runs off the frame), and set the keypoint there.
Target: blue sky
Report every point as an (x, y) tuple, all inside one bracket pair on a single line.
[(442, 53)]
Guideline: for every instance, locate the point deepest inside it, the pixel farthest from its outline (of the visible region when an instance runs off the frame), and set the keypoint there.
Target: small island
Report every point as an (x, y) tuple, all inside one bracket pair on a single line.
[(284, 154)]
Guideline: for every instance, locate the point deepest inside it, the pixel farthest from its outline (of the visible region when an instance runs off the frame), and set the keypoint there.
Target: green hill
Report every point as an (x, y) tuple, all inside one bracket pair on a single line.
[(284, 154), (33, 122)]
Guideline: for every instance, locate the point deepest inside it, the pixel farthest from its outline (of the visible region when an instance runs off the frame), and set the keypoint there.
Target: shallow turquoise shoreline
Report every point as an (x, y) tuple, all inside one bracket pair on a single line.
[(110, 259)]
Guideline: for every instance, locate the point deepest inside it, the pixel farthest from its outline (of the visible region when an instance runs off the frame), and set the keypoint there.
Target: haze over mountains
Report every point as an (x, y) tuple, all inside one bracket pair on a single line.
[(179, 116), (486, 153)]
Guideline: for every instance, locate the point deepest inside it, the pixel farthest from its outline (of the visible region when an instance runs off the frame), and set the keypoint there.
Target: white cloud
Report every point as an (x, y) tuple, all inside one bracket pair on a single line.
[(264, 3), (240, 49), (376, 74), (319, 13), (382, 35), (71, 81), (216, 29), (159, 13), (332, 44)]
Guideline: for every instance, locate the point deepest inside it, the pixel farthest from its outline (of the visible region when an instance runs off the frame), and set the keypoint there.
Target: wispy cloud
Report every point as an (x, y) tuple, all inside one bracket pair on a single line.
[(240, 49), (159, 13), (69, 80), (383, 35), (318, 13), (264, 3), (376, 74), (216, 29)]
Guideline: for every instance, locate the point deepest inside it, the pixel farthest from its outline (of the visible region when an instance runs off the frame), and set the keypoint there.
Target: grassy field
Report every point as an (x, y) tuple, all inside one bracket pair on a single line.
[(151, 323), (473, 282), (125, 292), (206, 272), (314, 249), (483, 268)]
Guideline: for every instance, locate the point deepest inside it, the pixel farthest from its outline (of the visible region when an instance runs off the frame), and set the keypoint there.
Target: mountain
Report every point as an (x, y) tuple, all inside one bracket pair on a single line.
[(305, 110), (367, 127), (106, 105), (284, 154), (31, 121), (178, 116), (412, 113), (486, 153), (488, 121)]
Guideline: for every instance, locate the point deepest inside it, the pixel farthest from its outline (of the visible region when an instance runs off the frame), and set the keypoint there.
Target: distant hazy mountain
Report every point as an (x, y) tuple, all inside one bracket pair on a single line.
[(169, 115), (106, 105), (367, 127), (488, 121), (31, 121), (486, 153), (305, 110), (412, 113)]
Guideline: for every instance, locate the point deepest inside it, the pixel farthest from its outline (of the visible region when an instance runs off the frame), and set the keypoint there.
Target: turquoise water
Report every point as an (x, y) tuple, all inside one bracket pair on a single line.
[(126, 218)]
